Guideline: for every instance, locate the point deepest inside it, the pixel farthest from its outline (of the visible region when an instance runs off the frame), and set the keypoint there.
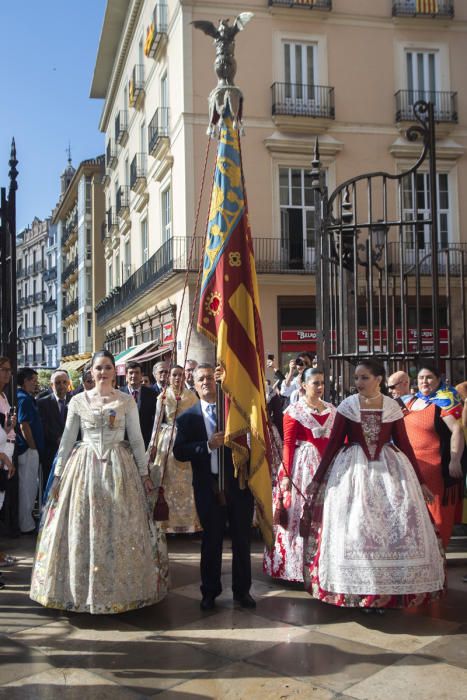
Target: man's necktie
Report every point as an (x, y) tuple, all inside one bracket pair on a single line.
[(212, 416), (135, 395), (62, 407)]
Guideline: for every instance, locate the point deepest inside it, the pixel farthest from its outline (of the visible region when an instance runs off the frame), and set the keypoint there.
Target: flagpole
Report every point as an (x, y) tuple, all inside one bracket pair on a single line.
[(220, 413)]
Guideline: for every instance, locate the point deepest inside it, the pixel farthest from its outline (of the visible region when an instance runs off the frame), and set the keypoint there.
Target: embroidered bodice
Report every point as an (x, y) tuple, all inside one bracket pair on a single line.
[(304, 424), (103, 424), (371, 428)]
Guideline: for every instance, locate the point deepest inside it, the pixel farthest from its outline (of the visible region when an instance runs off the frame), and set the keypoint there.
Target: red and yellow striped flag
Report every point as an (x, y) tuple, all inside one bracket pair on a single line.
[(429, 7), (229, 316)]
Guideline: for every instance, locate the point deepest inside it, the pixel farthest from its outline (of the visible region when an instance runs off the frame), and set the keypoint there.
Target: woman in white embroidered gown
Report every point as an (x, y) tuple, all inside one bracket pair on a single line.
[(371, 542), (98, 550), (176, 476), (307, 427)]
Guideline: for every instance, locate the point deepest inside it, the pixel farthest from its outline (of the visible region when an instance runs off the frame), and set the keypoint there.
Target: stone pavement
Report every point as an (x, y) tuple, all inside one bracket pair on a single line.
[(289, 647)]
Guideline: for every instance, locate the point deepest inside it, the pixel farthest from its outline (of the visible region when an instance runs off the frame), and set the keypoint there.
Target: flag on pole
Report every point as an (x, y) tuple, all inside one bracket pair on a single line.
[(229, 316)]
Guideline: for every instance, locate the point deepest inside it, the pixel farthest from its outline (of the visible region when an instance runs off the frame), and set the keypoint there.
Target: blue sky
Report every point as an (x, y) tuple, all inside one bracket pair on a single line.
[(47, 56)]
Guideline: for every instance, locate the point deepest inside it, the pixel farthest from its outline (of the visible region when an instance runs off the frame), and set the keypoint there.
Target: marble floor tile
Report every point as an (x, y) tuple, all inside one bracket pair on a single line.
[(259, 589), (450, 648), (413, 678), (235, 634), (175, 610), (393, 631), (326, 661), (18, 660), (66, 684), (245, 681), (299, 609)]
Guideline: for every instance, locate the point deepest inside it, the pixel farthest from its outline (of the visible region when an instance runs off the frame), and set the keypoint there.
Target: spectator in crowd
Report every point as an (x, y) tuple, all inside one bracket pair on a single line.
[(160, 373), (145, 397), (190, 366), (399, 387), (53, 413), (145, 381), (30, 445), (291, 387), (87, 383)]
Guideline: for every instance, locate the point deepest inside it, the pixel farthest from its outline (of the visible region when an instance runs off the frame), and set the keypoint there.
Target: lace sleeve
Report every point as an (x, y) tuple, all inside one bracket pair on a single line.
[(135, 436), (69, 436)]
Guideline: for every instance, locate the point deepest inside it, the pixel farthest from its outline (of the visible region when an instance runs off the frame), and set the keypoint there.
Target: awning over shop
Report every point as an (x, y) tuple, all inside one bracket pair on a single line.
[(154, 354), (129, 354), (73, 365)]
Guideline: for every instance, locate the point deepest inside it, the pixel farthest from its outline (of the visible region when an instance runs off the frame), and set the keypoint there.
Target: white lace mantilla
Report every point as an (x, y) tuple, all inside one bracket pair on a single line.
[(305, 415), (350, 408)]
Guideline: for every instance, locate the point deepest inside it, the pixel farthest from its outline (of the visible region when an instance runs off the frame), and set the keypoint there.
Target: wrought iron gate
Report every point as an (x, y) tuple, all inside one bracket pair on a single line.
[(8, 322), (389, 283)]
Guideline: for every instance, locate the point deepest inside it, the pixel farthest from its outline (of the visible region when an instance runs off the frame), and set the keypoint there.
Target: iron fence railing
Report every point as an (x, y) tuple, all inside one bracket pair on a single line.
[(312, 4), (158, 29), (122, 200), (50, 274), (112, 221), (138, 170), (302, 100), (50, 306), (110, 155), (70, 349), (423, 8), (413, 260), (121, 127), (70, 268), (136, 84), (70, 308), (50, 339), (444, 104), (158, 127)]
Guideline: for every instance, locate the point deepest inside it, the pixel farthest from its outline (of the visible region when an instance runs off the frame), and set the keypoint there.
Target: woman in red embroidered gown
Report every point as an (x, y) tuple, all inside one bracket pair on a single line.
[(307, 427), (371, 542), (435, 433)]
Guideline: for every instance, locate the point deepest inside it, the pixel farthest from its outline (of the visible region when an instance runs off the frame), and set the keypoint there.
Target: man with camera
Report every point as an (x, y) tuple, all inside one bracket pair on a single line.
[(292, 384)]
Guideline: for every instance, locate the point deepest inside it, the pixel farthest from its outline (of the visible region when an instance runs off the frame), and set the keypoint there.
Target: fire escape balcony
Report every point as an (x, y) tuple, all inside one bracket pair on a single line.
[(121, 127), (111, 159), (309, 4), (301, 107), (156, 33), (436, 9), (138, 172), (136, 91), (158, 132), (122, 201)]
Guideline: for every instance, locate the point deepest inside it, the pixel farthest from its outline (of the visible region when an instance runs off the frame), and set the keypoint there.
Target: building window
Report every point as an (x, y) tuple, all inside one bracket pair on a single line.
[(109, 277), (422, 70), (166, 206), (296, 216), (117, 269), (127, 264), (144, 241), (300, 72), (89, 324), (416, 207)]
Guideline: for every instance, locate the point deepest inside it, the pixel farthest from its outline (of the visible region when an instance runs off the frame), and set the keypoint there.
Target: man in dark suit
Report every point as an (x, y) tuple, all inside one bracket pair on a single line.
[(145, 397), (198, 441), (53, 411), (160, 372)]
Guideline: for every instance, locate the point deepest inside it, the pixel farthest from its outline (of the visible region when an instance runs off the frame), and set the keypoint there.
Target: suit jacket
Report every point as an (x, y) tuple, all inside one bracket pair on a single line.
[(52, 425), (147, 404), (191, 445)]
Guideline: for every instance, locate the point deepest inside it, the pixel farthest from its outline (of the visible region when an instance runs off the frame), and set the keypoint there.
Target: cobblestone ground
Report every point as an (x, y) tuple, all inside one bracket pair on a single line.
[(289, 647)]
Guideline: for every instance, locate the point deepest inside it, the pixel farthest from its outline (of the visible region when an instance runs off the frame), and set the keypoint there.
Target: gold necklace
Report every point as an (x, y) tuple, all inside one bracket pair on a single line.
[(367, 399), (317, 407)]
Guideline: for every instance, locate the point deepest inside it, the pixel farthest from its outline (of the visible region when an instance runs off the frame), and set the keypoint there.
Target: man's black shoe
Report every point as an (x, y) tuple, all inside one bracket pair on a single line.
[(207, 603), (246, 601)]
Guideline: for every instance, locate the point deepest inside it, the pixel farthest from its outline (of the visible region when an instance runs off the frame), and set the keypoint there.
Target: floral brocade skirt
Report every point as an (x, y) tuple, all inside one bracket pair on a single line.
[(98, 550), (372, 541)]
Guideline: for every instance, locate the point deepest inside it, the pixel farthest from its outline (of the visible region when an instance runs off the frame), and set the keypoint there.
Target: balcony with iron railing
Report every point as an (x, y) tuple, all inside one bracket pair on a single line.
[(158, 130), (39, 297), (309, 4), (416, 260), (121, 127), (444, 103), (291, 101), (70, 268), (122, 201), (111, 159), (70, 349), (20, 273), (50, 306), (136, 86), (70, 309), (437, 9), (157, 31), (50, 274), (112, 221), (34, 331), (138, 172), (50, 339)]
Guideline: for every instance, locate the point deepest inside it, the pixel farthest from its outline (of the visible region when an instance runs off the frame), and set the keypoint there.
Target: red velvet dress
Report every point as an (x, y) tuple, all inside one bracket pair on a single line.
[(371, 542), (306, 435)]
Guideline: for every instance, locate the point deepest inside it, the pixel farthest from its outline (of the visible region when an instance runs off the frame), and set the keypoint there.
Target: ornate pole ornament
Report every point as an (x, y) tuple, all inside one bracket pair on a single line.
[(225, 96)]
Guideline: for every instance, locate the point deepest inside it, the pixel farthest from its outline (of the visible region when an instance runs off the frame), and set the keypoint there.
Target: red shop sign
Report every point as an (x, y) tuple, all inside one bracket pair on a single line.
[(299, 336)]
